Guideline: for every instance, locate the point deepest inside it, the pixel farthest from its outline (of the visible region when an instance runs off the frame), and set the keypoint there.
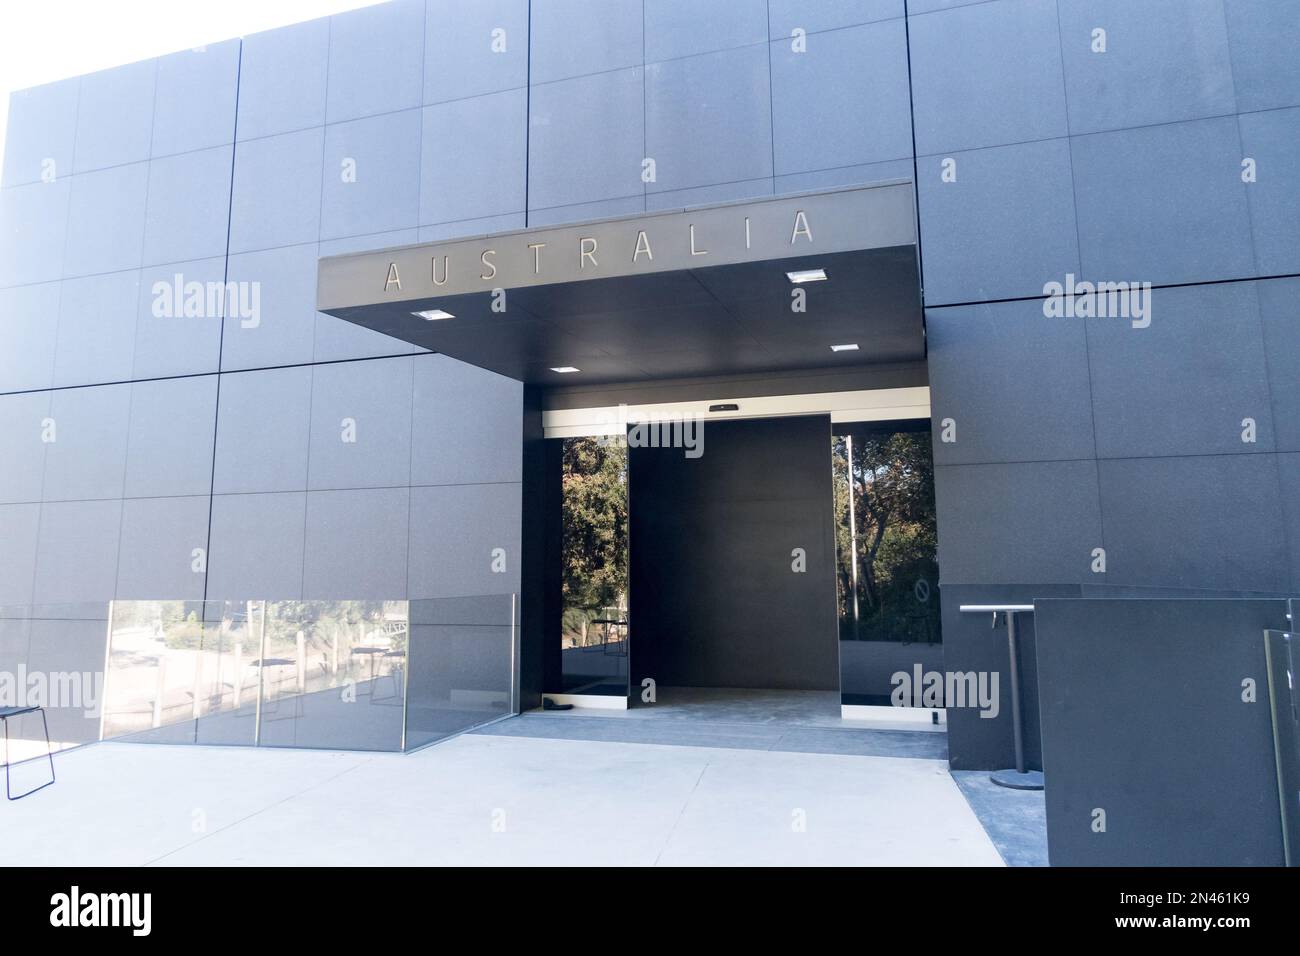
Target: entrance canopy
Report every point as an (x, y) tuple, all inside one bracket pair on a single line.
[(720, 290)]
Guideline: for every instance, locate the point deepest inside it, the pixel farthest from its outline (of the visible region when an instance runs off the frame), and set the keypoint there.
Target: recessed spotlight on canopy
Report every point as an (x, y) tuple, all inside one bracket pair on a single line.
[(431, 314), (807, 275), (566, 369), (850, 347)]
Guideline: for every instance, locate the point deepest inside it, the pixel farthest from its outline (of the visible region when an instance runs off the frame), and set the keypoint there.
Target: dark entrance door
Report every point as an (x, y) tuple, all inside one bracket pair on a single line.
[(732, 558)]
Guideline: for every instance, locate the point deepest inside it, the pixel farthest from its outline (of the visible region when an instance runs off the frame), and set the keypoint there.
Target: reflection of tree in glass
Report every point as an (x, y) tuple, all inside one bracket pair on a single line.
[(178, 623), (595, 532), (893, 511)]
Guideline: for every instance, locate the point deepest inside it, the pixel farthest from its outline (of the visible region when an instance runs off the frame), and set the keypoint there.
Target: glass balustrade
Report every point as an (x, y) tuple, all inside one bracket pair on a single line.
[(1282, 654), (346, 675)]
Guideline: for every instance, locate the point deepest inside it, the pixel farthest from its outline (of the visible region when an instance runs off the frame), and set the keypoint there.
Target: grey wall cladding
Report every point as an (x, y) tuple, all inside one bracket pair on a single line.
[(1143, 718), (1176, 423), (1128, 165), (226, 162), (1168, 112)]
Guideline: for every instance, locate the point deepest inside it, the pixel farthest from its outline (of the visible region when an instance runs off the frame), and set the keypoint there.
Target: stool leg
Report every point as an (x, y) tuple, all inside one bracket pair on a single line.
[(49, 747)]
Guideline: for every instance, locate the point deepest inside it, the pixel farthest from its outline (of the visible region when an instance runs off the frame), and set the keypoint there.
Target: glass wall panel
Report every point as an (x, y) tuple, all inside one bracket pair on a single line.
[(887, 572), (1283, 654), (334, 674), (15, 641), (154, 682), (463, 652), (230, 682), (594, 624), (315, 674), (52, 656)]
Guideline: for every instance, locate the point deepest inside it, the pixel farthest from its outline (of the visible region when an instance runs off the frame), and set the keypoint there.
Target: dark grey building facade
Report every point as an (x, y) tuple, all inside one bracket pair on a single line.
[(1039, 141)]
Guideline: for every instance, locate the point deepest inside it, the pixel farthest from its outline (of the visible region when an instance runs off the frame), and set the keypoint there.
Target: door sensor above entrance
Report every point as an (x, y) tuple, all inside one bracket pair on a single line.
[(724, 408)]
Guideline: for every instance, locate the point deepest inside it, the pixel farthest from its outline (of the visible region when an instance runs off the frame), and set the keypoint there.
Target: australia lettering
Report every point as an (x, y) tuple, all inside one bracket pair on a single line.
[(589, 253)]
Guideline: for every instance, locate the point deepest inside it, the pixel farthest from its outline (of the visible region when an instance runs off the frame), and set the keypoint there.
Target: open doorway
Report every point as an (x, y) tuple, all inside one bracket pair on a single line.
[(715, 580), (732, 563)]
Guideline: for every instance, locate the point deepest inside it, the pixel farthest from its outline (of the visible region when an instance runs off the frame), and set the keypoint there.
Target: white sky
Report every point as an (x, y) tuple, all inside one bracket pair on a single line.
[(52, 39)]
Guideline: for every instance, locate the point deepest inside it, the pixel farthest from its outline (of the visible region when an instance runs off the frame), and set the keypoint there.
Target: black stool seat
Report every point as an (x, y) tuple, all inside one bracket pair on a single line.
[(15, 711)]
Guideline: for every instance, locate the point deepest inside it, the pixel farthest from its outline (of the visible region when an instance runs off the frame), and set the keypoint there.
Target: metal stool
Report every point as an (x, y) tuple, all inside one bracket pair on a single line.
[(5, 714)]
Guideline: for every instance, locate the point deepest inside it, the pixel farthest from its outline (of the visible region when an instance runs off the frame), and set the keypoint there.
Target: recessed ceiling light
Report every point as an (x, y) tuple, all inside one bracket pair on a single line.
[(432, 314), (566, 369), (851, 347), (807, 275)]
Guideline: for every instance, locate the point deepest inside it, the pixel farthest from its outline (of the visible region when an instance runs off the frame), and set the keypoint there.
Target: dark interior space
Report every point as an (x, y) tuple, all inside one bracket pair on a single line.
[(720, 595)]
